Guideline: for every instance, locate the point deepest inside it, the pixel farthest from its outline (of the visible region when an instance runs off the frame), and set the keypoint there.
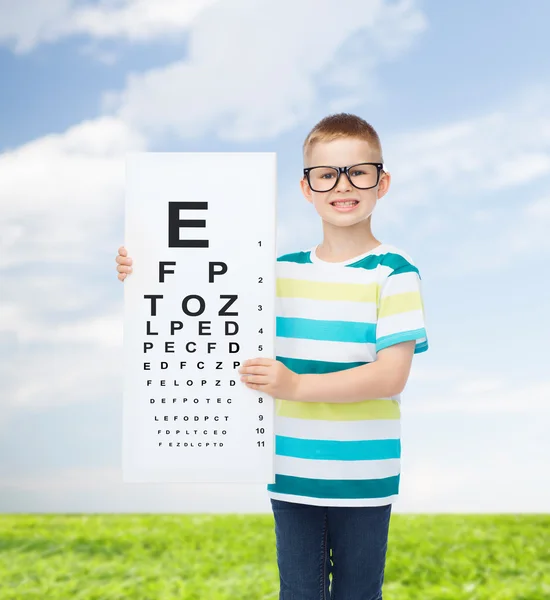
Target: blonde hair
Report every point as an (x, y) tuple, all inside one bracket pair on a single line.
[(338, 126)]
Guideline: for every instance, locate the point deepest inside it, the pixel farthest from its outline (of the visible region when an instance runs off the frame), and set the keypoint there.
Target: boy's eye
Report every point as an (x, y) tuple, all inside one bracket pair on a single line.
[(357, 172)]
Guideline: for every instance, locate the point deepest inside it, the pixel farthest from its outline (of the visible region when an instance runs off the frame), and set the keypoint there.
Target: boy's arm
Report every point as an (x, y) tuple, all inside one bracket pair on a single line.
[(384, 377)]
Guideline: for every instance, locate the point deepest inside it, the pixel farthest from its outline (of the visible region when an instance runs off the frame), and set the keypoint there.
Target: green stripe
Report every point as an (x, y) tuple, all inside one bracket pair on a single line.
[(389, 259), (302, 365), (335, 488)]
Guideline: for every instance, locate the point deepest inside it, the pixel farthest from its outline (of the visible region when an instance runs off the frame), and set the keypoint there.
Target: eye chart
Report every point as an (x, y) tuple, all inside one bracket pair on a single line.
[(201, 230)]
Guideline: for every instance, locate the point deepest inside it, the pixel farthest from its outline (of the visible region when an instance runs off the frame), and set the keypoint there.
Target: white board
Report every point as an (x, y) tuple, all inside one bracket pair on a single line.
[(201, 230)]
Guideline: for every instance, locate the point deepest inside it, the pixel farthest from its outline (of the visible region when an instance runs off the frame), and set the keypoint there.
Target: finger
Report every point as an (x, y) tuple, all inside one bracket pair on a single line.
[(258, 386), (122, 276), (123, 269), (260, 360), (121, 260), (254, 379), (122, 250), (263, 389), (255, 370)]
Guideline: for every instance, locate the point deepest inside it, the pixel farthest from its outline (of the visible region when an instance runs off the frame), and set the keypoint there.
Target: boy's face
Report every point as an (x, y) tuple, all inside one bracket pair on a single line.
[(341, 153)]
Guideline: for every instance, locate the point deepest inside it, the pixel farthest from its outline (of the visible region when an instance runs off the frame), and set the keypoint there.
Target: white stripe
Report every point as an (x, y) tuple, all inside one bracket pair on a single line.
[(400, 283), (326, 310), (336, 469), (343, 431), (312, 272), (333, 501), (325, 350), (412, 319)]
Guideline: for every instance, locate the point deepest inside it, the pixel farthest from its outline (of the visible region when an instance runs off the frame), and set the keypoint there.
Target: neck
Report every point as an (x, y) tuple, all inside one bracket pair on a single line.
[(341, 243)]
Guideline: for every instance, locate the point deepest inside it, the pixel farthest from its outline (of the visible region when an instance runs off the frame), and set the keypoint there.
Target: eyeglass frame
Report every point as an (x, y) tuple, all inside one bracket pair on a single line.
[(379, 168)]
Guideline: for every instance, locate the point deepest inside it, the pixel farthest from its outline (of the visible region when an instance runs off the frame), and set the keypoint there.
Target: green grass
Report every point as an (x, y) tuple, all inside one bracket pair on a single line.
[(222, 557)]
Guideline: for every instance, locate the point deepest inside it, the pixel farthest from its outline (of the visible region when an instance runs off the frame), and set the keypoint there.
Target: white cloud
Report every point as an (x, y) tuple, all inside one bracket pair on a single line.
[(429, 484), (44, 376), (492, 484), (58, 294), (254, 68), (510, 235), (463, 170), (522, 168), (24, 25), (481, 395), (467, 158), (480, 386), (101, 489), (136, 19), (61, 193), (539, 209), (62, 198)]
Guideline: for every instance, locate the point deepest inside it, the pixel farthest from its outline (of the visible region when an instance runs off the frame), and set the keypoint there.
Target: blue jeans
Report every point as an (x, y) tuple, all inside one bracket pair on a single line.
[(356, 536)]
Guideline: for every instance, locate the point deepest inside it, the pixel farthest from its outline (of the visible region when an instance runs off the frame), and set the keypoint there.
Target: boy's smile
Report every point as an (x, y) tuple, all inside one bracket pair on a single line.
[(345, 205)]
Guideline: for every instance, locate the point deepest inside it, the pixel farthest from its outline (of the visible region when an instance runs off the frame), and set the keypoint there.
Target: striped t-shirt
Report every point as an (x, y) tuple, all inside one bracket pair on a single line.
[(332, 317)]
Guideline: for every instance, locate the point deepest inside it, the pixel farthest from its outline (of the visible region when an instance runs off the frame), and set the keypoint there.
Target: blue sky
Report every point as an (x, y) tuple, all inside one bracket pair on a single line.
[(460, 95)]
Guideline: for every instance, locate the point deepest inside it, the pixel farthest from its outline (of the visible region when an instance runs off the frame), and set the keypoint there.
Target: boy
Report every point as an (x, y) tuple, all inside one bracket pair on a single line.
[(350, 316)]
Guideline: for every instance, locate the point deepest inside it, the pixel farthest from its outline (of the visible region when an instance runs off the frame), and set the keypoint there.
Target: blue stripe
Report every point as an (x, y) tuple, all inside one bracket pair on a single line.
[(422, 347), (335, 488), (296, 257), (333, 331), (337, 450)]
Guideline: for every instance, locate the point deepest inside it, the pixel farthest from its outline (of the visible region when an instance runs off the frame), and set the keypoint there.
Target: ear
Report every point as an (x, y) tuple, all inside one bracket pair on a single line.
[(384, 184), (306, 191)]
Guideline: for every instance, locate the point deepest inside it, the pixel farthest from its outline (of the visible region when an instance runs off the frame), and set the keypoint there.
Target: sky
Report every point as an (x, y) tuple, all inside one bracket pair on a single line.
[(460, 96)]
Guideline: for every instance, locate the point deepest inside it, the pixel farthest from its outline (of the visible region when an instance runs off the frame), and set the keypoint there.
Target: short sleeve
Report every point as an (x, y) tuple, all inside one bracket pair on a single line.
[(400, 310)]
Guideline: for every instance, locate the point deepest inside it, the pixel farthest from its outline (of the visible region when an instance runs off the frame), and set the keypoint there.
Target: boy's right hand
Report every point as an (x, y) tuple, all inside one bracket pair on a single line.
[(124, 262)]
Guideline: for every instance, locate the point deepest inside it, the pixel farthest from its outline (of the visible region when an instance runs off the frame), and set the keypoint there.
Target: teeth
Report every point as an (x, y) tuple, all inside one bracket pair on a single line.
[(351, 203)]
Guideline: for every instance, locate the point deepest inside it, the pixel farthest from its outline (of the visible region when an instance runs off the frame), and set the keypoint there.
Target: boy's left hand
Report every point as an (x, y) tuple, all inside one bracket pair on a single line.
[(270, 376)]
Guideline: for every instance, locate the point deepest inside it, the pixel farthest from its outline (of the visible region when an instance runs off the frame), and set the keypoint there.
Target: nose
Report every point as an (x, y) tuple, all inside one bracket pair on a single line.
[(343, 184)]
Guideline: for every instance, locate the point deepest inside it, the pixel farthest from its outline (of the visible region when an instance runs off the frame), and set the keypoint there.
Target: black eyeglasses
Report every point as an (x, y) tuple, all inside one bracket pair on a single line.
[(363, 176)]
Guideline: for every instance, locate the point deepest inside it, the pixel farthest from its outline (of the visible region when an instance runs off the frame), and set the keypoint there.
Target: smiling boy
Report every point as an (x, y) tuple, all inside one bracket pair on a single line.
[(349, 317)]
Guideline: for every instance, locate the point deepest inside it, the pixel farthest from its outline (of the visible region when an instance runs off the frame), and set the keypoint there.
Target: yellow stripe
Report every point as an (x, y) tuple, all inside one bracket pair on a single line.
[(321, 290), (398, 303), (384, 408)]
